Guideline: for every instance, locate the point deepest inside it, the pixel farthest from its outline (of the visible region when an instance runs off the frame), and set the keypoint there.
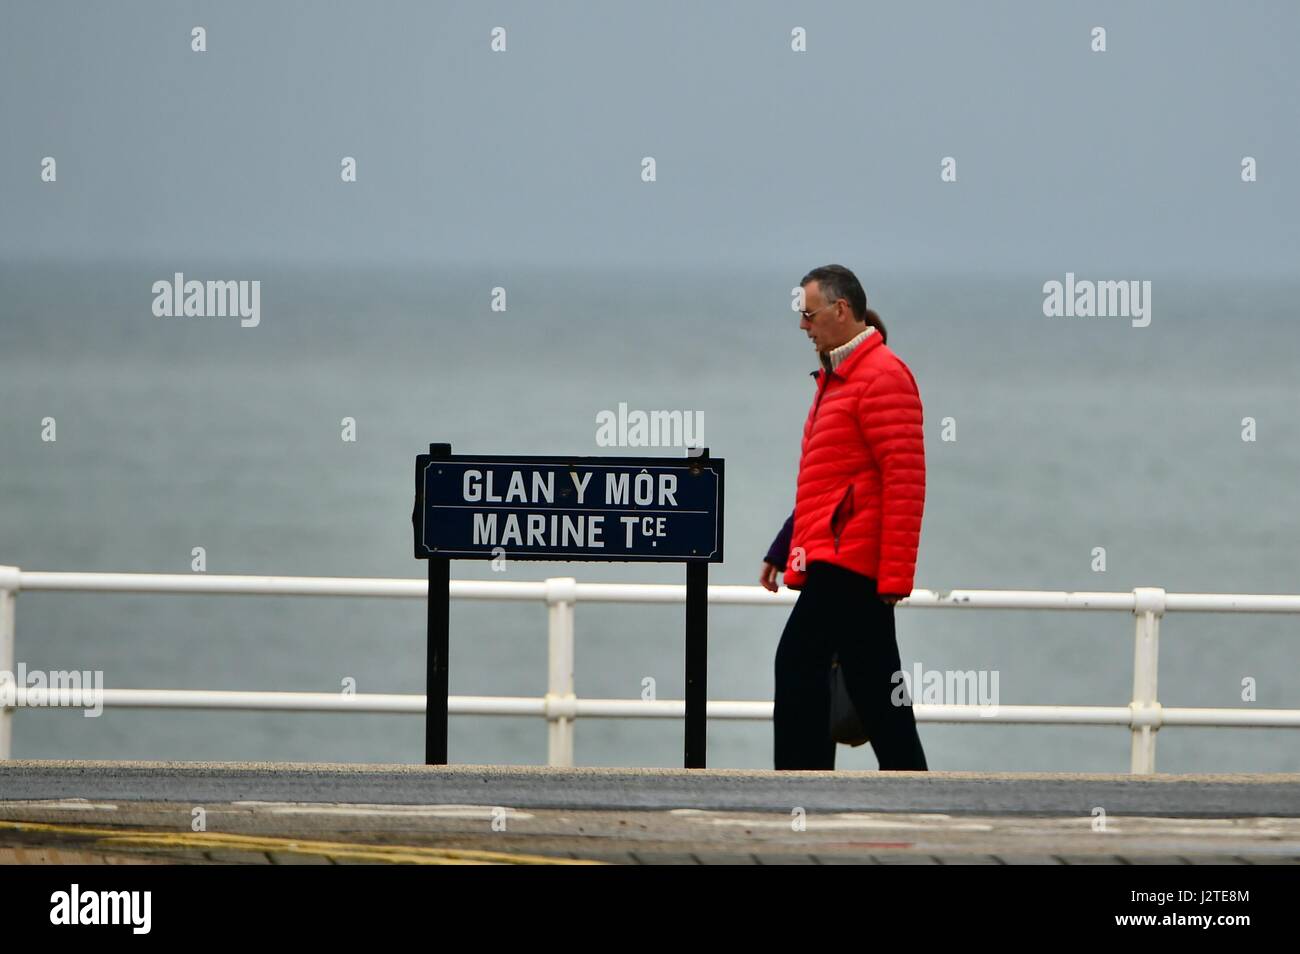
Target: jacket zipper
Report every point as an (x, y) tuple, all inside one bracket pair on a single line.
[(825, 383), (826, 377), (838, 532)]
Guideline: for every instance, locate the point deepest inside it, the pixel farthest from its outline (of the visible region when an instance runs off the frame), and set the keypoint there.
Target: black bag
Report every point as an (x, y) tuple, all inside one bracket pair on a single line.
[(846, 725)]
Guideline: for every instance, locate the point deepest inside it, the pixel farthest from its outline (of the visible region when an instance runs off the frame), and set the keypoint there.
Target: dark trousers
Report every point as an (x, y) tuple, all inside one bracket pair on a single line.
[(838, 611)]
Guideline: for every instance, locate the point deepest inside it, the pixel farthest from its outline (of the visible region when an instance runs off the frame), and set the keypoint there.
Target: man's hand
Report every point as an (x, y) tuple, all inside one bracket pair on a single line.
[(767, 577), (890, 598)]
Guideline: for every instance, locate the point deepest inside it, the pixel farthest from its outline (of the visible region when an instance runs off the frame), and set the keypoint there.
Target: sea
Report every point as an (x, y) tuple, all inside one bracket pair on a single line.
[(1063, 453)]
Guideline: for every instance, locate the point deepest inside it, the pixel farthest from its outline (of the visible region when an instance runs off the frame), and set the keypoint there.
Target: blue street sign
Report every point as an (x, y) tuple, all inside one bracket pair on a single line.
[(647, 509)]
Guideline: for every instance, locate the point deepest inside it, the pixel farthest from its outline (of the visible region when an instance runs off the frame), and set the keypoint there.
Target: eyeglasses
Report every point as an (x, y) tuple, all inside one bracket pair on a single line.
[(808, 314)]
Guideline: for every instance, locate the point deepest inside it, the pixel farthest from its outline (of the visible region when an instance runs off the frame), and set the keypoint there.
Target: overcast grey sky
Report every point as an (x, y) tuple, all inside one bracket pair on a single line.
[(1066, 158)]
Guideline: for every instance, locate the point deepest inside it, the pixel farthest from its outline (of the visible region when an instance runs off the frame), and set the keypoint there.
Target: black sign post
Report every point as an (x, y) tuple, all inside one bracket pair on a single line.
[(607, 509), (439, 641)]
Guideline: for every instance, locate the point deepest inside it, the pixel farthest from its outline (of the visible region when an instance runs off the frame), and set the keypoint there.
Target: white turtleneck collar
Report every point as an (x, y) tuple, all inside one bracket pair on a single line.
[(835, 357)]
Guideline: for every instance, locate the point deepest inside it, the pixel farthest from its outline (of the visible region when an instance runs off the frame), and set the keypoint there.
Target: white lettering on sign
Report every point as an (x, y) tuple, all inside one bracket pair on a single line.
[(551, 529), (649, 526), (616, 489), (478, 487), (642, 489), (564, 529), (580, 485)]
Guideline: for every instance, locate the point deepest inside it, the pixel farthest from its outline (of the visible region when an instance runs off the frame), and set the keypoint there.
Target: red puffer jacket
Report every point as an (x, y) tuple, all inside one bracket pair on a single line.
[(861, 489)]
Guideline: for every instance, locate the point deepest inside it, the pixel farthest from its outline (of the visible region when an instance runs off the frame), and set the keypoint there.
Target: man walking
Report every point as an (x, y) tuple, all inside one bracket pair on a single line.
[(850, 545)]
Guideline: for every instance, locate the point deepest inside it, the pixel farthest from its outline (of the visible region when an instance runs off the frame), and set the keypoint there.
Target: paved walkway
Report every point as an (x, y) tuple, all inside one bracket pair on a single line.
[(279, 813)]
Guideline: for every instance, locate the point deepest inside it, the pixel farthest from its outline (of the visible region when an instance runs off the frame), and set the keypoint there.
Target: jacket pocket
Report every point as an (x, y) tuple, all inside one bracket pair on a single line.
[(840, 518)]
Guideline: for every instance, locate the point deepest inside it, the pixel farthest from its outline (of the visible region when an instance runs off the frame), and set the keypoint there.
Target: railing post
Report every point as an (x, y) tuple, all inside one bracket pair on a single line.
[(9, 582), (1148, 607), (561, 703)]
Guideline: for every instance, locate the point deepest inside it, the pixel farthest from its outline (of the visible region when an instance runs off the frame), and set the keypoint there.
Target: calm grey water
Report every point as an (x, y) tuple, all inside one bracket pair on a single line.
[(1071, 434)]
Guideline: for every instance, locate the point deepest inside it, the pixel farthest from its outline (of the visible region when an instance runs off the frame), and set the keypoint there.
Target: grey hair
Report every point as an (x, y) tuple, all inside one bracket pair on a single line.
[(836, 282)]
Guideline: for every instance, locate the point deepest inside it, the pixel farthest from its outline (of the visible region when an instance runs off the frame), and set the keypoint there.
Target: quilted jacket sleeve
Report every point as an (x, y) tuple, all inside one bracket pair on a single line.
[(889, 410)]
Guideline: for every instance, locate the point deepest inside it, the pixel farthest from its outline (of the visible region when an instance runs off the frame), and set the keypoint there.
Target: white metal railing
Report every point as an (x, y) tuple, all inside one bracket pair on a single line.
[(561, 707)]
